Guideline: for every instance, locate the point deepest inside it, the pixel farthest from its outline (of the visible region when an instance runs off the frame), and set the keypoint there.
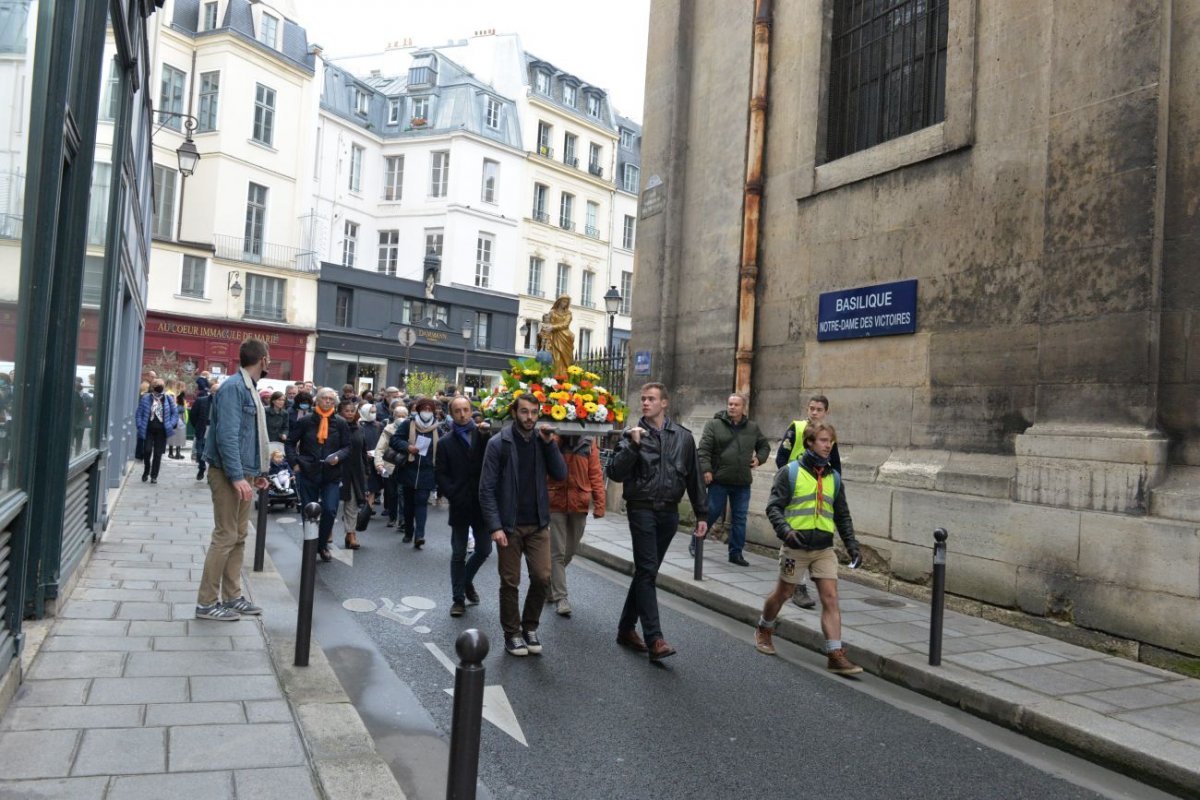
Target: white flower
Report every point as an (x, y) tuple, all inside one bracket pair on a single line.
[(571, 416)]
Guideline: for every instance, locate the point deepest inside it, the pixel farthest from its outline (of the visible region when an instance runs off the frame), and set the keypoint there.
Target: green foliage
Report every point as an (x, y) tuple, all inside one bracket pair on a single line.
[(424, 384)]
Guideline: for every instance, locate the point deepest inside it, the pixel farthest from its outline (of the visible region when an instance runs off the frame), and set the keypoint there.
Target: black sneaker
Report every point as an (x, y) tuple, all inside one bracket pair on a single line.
[(802, 598), (532, 642), (407, 538), (736, 558), (515, 646), (457, 609), (472, 595), (418, 544)]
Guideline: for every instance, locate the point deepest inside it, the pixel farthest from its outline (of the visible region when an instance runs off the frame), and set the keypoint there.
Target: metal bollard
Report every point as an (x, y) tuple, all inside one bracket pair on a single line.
[(938, 601), (308, 581), (260, 530), (698, 560), (472, 649)]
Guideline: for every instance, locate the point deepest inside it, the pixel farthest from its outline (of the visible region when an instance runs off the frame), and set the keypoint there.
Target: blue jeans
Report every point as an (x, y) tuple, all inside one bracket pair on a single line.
[(328, 494), (416, 508), (739, 506), (651, 532), (462, 571)]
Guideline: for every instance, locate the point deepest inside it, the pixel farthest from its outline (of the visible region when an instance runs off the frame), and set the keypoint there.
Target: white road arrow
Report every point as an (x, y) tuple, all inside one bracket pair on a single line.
[(496, 708)]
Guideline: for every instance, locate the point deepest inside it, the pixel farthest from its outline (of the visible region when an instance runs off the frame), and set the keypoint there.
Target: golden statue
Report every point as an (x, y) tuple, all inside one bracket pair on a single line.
[(555, 334)]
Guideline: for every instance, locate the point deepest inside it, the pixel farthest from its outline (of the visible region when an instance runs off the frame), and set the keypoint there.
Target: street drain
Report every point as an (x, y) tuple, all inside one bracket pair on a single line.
[(885, 602)]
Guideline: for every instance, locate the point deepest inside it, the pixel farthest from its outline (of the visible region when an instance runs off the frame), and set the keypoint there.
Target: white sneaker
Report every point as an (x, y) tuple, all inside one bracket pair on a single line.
[(217, 611)]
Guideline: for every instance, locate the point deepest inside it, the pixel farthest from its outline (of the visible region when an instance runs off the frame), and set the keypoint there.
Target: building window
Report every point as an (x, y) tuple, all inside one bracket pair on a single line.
[(570, 95), (112, 90), (210, 17), (98, 204), (192, 282), (887, 72), (562, 282), (545, 131), (356, 161), (433, 241), (439, 174), (210, 91), (264, 115), (483, 330), (593, 105), (626, 139), (415, 312), (422, 71), (566, 211), (394, 111), (491, 113), (569, 158), (541, 194), (341, 307), (594, 155), (483, 260), (534, 285), (389, 251), (529, 330), (420, 110), (592, 220), (629, 181), (393, 177), (491, 175), (585, 291), (170, 97), (256, 215), (626, 293), (362, 102), (268, 29), (585, 341), (542, 82), (264, 297), (627, 233), (349, 243), (163, 222)]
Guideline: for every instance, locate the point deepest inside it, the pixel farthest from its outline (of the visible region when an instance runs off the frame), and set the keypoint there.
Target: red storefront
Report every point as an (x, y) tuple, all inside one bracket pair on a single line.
[(213, 344)]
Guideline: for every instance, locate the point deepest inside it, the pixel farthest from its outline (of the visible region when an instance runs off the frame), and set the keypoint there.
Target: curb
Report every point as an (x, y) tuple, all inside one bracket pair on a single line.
[(1158, 761), (342, 753)]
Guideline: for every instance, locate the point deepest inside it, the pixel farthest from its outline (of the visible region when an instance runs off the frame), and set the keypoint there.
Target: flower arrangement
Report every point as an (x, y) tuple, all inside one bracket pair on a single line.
[(573, 396)]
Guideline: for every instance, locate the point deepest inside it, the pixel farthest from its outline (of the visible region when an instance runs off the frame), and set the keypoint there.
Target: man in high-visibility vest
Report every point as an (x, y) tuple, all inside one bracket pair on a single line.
[(807, 505)]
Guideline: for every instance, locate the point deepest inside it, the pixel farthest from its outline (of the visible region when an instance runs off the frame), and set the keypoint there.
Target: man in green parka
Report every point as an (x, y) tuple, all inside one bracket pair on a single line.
[(730, 447)]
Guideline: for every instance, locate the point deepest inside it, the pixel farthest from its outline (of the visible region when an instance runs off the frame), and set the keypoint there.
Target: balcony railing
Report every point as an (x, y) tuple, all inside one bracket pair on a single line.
[(541, 216), (252, 251), (546, 150), (592, 231), (270, 313), (596, 170), (10, 226), (566, 224), (571, 161)]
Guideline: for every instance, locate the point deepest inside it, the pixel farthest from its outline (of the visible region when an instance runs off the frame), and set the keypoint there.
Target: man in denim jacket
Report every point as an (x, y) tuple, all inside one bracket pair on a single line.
[(237, 452)]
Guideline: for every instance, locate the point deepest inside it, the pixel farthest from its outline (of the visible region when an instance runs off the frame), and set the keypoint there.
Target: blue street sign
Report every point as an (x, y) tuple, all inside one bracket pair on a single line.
[(885, 309), (641, 362)]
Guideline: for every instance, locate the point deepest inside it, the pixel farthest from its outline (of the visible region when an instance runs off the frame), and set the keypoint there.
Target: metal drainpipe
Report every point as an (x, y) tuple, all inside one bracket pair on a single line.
[(756, 140)]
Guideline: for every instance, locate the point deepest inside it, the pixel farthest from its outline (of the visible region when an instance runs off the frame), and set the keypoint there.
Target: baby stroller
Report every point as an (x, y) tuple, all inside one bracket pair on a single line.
[(281, 484)]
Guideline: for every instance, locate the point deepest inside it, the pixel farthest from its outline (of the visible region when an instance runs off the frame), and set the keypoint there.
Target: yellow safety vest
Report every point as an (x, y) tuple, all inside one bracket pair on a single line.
[(798, 444), (812, 502)]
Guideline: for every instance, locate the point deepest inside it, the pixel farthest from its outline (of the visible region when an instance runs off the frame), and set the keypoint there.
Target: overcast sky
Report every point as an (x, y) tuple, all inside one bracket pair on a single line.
[(603, 43)]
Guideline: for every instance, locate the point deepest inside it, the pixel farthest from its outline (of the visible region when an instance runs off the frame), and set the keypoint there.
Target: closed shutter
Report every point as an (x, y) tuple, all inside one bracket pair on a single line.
[(77, 527), (6, 640)]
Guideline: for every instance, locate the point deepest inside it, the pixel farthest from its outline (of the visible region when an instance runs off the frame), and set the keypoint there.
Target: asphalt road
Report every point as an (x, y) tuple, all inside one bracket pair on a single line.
[(716, 720)]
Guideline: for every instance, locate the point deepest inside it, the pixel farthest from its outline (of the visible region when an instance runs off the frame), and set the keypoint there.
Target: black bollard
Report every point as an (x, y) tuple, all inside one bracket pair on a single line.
[(308, 581), (472, 649), (698, 559), (260, 531), (938, 601)]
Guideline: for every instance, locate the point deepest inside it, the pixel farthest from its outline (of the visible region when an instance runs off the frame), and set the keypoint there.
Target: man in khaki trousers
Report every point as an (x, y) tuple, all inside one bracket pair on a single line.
[(237, 452)]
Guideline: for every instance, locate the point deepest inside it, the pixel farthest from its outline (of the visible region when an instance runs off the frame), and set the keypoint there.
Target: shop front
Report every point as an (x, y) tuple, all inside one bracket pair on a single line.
[(200, 345)]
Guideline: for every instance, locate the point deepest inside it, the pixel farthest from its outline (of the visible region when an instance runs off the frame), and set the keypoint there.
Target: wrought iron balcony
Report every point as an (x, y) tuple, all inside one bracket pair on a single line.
[(546, 150), (270, 313), (596, 170), (10, 226), (592, 231), (254, 251), (571, 161), (566, 224), (541, 216)]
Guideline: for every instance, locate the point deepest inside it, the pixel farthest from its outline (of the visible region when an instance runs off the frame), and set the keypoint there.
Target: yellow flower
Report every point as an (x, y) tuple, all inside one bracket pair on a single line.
[(591, 376), (587, 398), (590, 407), (574, 370), (518, 393), (531, 372), (558, 412), (620, 416), (570, 387)]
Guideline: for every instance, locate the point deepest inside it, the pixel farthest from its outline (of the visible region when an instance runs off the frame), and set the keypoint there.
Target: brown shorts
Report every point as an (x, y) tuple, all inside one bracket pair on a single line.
[(819, 563)]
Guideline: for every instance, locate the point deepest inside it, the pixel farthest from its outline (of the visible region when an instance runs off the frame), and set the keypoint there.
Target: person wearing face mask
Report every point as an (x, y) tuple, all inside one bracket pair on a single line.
[(386, 467), (200, 414), (301, 408), (238, 456), (322, 441), (354, 473), (371, 431), (156, 420), (416, 440)]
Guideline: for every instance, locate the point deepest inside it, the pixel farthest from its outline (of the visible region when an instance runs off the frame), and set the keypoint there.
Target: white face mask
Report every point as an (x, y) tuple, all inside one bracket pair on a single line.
[(426, 417)]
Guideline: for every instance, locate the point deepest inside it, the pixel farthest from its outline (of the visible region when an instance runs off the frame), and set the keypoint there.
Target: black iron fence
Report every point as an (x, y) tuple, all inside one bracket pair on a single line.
[(610, 366)]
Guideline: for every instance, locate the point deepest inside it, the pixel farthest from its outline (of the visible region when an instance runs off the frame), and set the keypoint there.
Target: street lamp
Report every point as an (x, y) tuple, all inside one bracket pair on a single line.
[(468, 330), (233, 284), (188, 157), (612, 304)]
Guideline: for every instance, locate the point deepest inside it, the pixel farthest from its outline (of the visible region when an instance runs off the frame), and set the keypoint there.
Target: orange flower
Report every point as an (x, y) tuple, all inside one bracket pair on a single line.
[(541, 396), (611, 415), (585, 384), (548, 407)]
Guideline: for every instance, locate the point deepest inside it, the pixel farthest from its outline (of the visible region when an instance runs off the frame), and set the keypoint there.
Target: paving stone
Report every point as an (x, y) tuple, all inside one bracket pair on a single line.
[(1134, 698), (37, 754), (268, 711), (119, 691), (281, 783), (982, 661), (1111, 675), (899, 632), (152, 628), (77, 665), (1184, 690), (171, 714), (1011, 639), (95, 644), (1028, 656), (896, 615), (1071, 652), (62, 692), (164, 643), (155, 574), (35, 718), (138, 585), (55, 789), (1049, 680), (962, 644), (248, 643), (144, 611), (90, 627), (175, 596), (1178, 722), (98, 583), (210, 627), (230, 664), (1089, 701), (121, 751), (84, 609), (127, 559), (206, 785), (141, 595), (253, 687), (235, 747)]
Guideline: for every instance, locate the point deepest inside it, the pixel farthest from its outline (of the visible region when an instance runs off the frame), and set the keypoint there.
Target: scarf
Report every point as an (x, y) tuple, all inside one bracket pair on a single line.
[(416, 427), (323, 426), (260, 415), (813, 460), (464, 431)]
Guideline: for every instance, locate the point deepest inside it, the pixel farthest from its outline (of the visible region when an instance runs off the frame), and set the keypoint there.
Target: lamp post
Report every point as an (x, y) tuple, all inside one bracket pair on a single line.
[(468, 330), (233, 284), (187, 154), (612, 304)]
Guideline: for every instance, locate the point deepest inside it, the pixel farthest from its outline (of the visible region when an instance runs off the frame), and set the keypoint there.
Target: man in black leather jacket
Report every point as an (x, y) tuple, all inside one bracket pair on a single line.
[(656, 461)]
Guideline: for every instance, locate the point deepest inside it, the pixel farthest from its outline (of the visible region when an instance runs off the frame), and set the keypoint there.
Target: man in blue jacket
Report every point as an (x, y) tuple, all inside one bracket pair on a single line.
[(516, 509), (156, 420), (238, 456)]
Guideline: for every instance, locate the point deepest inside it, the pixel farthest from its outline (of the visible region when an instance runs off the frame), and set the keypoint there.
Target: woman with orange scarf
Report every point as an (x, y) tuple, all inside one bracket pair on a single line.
[(322, 441)]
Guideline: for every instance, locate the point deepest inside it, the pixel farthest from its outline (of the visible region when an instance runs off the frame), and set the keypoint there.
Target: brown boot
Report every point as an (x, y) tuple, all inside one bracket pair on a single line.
[(631, 640), (659, 649), (351, 540), (841, 665), (762, 640)]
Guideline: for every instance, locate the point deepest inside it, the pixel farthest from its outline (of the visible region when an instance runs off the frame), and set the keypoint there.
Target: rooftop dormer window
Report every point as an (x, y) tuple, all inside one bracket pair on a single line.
[(362, 102), (570, 95), (542, 82), (268, 28), (593, 105), (626, 139), (423, 71)]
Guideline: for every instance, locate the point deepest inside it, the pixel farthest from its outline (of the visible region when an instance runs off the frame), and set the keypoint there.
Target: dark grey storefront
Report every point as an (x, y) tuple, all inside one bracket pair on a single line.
[(361, 316)]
